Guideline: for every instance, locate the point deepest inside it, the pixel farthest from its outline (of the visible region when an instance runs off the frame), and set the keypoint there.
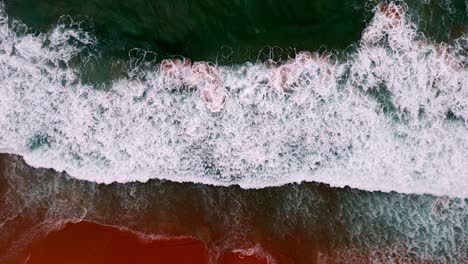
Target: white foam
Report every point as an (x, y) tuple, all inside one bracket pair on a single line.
[(256, 251), (321, 124)]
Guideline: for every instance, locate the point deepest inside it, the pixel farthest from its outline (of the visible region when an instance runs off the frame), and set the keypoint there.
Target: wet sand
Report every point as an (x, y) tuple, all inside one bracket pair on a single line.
[(87, 242), (92, 243), (50, 217)]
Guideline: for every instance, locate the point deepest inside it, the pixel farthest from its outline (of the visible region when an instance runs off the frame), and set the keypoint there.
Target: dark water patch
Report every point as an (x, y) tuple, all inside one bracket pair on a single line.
[(39, 141), (384, 97), (441, 20), (238, 30), (225, 32), (203, 30)]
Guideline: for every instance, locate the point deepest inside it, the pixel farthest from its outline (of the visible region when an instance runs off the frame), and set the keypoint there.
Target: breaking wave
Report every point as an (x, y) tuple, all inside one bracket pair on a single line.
[(389, 115)]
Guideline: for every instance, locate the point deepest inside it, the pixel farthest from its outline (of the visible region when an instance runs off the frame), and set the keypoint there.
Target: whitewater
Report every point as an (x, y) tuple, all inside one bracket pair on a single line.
[(389, 114)]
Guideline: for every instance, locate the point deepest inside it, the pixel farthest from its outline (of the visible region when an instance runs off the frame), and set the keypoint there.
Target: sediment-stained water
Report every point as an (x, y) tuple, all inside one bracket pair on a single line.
[(294, 223)]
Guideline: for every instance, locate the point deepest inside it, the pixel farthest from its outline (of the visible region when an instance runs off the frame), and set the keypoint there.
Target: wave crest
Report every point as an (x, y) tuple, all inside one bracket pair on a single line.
[(389, 116)]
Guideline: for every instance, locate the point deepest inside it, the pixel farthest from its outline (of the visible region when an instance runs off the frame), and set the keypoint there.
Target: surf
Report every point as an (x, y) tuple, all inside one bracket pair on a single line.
[(389, 115)]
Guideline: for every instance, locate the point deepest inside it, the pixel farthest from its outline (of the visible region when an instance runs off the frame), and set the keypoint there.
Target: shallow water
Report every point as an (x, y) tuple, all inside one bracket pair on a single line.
[(295, 223)]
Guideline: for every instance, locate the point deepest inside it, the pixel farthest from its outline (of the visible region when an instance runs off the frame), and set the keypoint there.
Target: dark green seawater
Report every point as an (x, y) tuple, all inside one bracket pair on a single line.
[(206, 29), (230, 30), (222, 31)]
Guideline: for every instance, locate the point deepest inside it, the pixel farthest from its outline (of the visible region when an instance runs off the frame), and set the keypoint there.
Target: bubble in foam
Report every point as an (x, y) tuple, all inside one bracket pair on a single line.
[(390, 116)]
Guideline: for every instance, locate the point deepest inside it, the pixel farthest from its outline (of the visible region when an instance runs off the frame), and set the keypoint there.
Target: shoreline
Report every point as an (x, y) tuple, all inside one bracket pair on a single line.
[(296, 223)]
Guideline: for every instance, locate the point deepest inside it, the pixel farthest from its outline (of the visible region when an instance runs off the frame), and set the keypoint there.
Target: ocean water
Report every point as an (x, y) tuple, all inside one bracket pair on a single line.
[(379, 105), (294, 223)]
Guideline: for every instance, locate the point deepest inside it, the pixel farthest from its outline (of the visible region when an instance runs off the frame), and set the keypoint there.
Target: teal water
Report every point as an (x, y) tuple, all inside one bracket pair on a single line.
[(209, 30), (223, 31)]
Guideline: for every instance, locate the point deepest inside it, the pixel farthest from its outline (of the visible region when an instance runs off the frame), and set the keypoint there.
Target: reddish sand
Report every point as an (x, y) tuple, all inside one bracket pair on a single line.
[(92, 243)]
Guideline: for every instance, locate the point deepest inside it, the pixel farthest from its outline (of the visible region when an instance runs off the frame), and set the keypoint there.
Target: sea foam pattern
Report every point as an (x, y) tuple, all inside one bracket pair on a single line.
[(389, 116)]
